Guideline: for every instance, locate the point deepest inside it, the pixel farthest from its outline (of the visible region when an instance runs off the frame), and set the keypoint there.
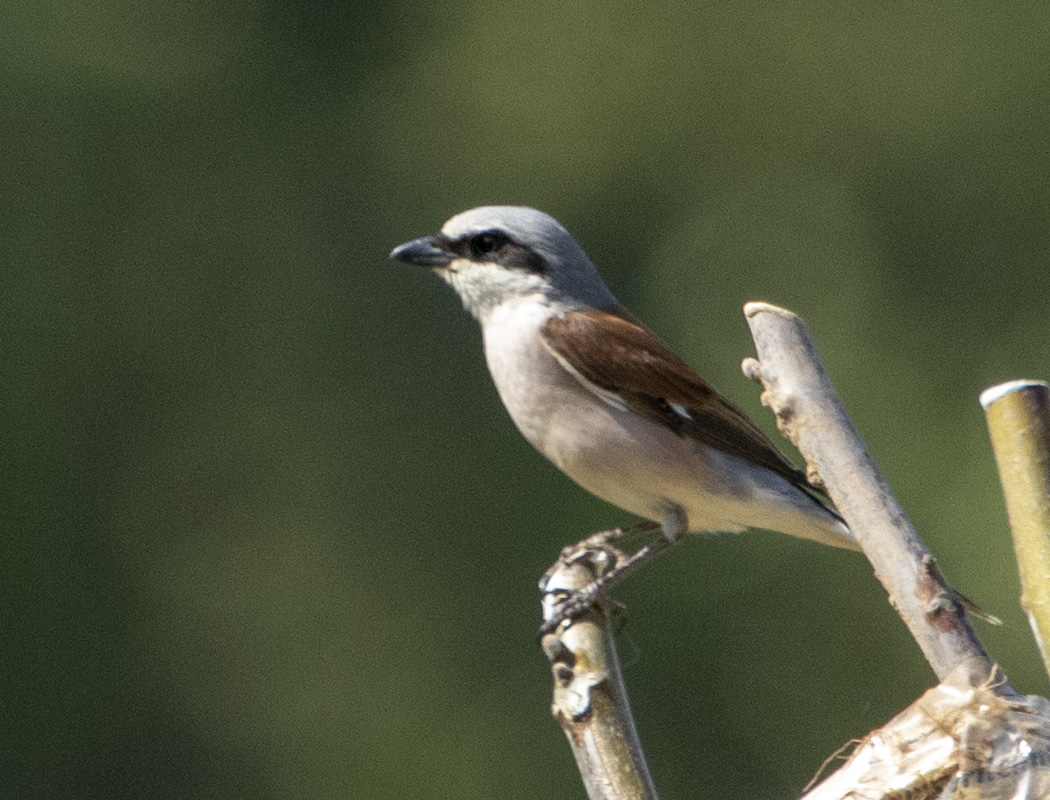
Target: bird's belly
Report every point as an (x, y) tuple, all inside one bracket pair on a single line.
[(638, 465), (648, 470)]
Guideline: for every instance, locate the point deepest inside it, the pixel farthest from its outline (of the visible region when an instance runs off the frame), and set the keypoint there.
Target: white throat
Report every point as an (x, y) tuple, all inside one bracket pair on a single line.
[(485, 288)]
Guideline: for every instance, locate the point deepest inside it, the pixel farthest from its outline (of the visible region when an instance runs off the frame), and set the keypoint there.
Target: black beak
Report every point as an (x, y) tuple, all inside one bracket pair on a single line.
[(423, 252)]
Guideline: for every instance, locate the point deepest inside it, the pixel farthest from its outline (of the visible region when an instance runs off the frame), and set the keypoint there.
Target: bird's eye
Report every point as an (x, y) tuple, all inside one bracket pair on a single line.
[(488, 242)]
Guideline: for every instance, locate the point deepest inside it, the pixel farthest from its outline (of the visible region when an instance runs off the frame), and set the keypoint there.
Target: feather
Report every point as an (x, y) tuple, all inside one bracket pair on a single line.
[(620, 360)]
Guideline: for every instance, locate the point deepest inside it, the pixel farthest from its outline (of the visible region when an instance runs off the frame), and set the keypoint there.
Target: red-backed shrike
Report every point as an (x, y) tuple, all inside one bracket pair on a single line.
[(595, 391)]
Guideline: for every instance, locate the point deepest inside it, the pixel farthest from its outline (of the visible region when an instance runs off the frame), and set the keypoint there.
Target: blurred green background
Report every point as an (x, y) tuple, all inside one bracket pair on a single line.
[(267, 530)]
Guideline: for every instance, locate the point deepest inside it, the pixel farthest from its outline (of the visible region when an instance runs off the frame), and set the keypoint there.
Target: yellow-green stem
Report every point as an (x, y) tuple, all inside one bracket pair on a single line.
[(1018, 415)]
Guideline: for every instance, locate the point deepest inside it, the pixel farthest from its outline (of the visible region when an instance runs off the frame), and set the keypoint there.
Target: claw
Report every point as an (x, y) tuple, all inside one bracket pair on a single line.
[(610, 564)]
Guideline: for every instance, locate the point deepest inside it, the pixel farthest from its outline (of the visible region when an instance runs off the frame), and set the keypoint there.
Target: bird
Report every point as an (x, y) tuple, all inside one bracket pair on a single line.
[(596, 392)]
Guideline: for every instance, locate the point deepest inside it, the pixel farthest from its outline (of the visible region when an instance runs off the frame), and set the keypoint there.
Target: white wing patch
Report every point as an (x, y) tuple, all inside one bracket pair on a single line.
[(681, 411)]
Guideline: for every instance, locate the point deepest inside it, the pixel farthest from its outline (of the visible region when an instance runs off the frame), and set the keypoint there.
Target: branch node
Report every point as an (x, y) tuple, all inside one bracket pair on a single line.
[(814, 478), (781, 403), (557, 651), (752, 369)]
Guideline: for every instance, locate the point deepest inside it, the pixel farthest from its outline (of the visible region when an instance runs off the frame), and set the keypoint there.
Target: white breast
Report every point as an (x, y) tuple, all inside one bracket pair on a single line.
[(532, 385), (602, 446)]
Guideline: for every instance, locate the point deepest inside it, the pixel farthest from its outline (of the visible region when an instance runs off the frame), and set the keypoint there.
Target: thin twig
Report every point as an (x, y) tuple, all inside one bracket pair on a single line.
[(812, 416)]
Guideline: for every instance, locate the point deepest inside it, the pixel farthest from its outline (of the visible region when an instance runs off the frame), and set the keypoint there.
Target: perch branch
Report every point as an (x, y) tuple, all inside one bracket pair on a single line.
[(590, 700)]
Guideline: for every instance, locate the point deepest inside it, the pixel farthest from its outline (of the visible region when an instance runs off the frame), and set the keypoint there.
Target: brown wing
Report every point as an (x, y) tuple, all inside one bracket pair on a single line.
[(619, 355)]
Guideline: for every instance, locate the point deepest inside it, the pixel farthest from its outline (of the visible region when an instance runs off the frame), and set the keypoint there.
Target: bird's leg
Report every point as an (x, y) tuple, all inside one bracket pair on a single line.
[(602, 541), (613, 565)]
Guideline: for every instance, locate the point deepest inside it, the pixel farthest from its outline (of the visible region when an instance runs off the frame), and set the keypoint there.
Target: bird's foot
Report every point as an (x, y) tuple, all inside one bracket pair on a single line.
[(573, 605), (611, 566), (602, 539), (599, 549)]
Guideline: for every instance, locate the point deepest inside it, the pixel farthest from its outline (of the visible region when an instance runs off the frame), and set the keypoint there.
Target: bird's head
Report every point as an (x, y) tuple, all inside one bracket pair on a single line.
[(504, 254)]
